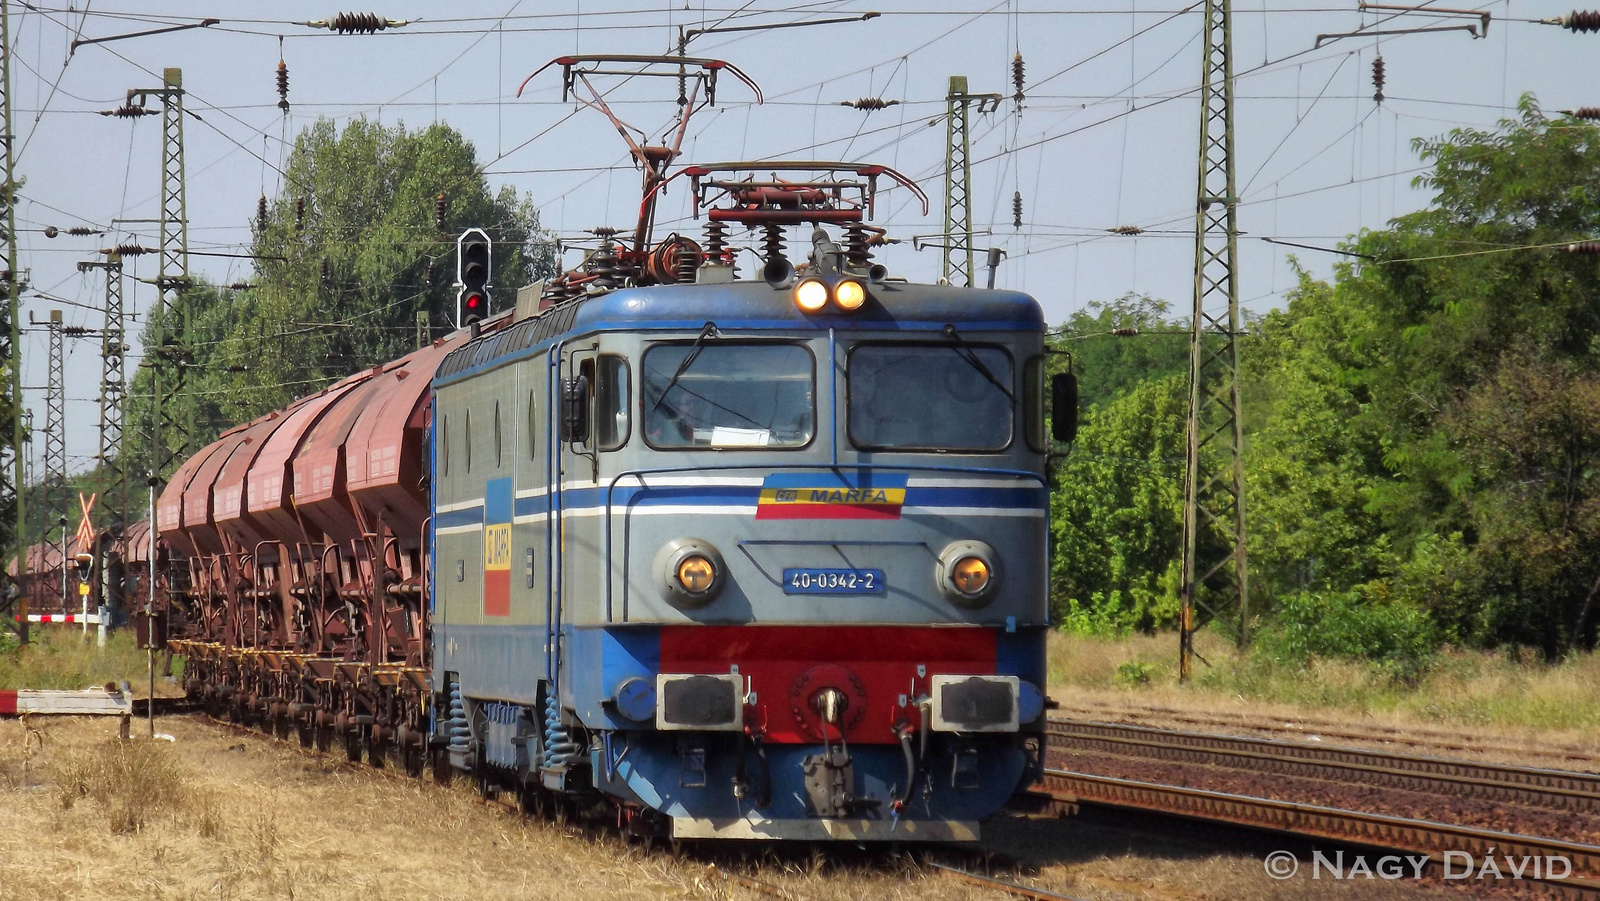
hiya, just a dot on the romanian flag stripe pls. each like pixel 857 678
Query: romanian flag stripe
pixel 807 496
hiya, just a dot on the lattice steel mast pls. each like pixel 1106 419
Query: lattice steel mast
pixel 56 494
pixel 1213 488
pixel 171 431
pixel 113 392
pixel 958 261
pixel 12 459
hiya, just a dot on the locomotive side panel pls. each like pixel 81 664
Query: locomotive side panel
pixel 489 624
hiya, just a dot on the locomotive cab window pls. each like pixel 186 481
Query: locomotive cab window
pixel 610 416
pixel 726 395
pixel 930 397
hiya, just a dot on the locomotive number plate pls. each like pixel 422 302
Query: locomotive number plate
pixel 833 581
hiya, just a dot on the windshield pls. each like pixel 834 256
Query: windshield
pixel 929 397
pixel 730 395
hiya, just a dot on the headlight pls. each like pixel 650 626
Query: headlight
pixel 849 295
pixel 811 295
pixel 968 573
pixel 696 573
pixel 689 572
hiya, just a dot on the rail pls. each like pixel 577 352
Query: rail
pixel 1350 826
pixel 1561 789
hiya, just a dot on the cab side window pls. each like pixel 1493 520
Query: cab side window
pixel 610 398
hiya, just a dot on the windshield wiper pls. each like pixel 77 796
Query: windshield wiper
pixel 710 331
pixel 965 352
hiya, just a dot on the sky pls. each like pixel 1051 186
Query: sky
pixel 1106 135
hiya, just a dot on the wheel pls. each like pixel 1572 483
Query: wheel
pixel 443 772
pixel 411 758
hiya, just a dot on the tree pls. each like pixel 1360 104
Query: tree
pixel 351 253
pixel 1116 513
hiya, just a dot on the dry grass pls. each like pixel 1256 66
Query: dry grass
pixel 60 657
pixel 1475 692
pixel 232 817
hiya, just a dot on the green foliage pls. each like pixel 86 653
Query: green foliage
pixel 1134 674
pixel 1347 624
pixel 1110 365
pixel 1116 514
pixel 1422 435
pixel 339 289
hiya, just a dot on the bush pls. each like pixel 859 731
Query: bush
pixel 1395 634
pixel 1134 674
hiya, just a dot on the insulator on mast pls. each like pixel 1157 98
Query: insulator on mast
pixel 1584 112
pixel 283 86
pixel 1017 70
pixel 1588 20
pixel 1126 331
pixel 1016 209
pixel 1377 79
pixel 439 211
pixel 1126 230
pixel 300 215
pixel 261 215
pixel 356 23
pixel 324 270
pixel 1585 247
pixel 81 230
pixel 869 104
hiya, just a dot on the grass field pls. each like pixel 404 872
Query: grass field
pixel 1459 688
pixel 60 657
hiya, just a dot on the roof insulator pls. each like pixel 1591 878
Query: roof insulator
pixel 356 23
pixel 283 86
pixel 1377 79
pixel 1126 230
pixel 869 104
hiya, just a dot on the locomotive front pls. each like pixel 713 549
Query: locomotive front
pixel 820 606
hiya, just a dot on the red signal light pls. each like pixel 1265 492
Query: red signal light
pixel 474 302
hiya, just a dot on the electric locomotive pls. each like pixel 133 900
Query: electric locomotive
pixel 734 556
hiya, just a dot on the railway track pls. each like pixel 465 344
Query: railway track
pixel 1325 728
pixel 1557 789
pixel 1347 826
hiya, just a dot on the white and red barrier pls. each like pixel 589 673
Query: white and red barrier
pixel 99 620
pixel 92 619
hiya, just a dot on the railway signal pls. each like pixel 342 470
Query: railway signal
pixel 472 277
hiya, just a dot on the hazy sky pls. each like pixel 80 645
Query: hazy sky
pixel 1106 137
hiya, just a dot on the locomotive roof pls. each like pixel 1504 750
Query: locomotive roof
pixel 752 304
